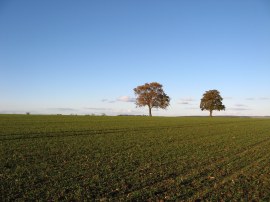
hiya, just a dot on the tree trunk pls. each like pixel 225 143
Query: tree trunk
pixel 150 111
pixel 211 113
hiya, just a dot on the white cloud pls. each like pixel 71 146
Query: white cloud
pixel 126 99
pixel 187 99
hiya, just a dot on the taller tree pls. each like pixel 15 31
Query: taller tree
pixel 152 96
pixel 212 101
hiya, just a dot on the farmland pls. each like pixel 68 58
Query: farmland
pixel 134 158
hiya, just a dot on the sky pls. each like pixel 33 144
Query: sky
pixel 86 57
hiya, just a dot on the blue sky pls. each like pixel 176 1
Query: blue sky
pixel 86 57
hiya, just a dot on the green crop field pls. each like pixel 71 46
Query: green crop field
pixel 79 158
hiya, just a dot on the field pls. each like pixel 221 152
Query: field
pixel 134 158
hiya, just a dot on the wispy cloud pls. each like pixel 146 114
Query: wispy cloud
pixel 183 103
pixel 126 99
pixel 62 109
pixel 186 100
pixel 196 108
pixel 228 98
pixel 108 101
pixel 261 98
pixel 238 109
pixel 98 108
pixel 240 105
pixel 15 111
pixel 128 112
pixel 123 98
pixel 264 98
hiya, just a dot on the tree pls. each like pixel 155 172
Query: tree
pixel 212 101
pixel 151 95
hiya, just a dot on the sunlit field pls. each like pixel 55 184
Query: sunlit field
pixel 134 158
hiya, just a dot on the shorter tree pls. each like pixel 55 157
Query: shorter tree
pixel 151 95
pixel 212 101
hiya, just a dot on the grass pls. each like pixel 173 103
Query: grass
pixel 134 158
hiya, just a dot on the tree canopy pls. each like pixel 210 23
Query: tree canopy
pixel 151 95
pixel 212 101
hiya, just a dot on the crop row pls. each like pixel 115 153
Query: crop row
pixel 134 158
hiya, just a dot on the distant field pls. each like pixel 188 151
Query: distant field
pixel 134 158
